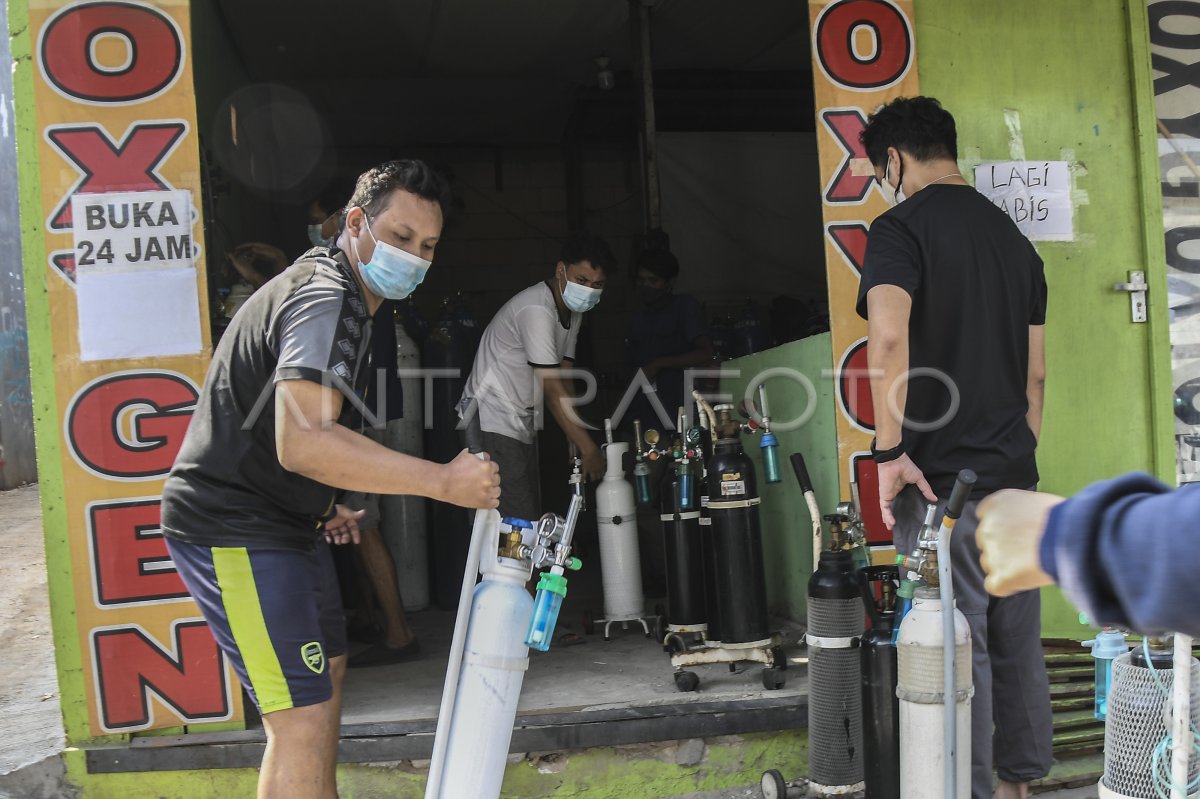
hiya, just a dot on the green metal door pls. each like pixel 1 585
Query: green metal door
pixel 1070 81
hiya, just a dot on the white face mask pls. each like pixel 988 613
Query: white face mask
pixel 580 298
pixel 392 273
pixel 893 194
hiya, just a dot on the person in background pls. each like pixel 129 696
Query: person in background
pixel 1123 550
pixel 324 216
pixel 665 335
pixel 257 262
pixel 251 498
pixel 528 344
pixel 955 302
pixel 394 642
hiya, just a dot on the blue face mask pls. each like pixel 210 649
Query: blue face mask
pixel 392 273
pixel 314 236
pixel 579 298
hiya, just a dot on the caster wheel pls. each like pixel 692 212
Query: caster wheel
pixel 773 785
pixel 589 623
pixel 686 681
pixel 779 658
pixel 773 679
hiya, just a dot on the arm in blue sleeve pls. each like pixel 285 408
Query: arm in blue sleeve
pixel 1127 553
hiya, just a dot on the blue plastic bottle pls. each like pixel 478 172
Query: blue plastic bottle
pixel 1107 645
pixel 770 454
pixel 546 605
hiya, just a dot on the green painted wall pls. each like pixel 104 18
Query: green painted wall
pixel 786 523
pixel 643 771
pixel 1076 73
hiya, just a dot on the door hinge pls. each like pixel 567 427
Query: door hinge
pixel 1137 294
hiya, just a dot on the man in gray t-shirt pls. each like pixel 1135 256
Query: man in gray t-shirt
pixel 250 500
pixel 520 359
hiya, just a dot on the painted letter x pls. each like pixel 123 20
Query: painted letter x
pixel 128 165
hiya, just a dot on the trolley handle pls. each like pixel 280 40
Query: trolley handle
pixel 801 470
pixel 960 494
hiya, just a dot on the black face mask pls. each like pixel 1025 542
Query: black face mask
pixel 648 295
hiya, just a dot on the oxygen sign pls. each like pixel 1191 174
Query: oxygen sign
pixel 118 171
pixel 864 54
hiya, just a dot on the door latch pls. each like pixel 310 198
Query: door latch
pixel 1137 295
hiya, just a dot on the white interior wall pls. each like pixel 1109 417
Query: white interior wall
pixel 744 214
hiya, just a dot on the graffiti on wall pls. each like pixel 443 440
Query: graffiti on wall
pixel 1175 58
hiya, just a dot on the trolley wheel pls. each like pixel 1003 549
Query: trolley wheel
pixel 773 679
pixel 779 658
pixel 773 785
pixel 686 681
pixel 589 623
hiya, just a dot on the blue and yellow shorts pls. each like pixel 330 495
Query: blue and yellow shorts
pixel 276 613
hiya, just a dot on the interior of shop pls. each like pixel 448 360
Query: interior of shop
pixel 532 111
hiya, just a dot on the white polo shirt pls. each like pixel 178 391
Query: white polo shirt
pixel 525 334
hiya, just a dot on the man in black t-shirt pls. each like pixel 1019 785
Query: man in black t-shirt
pixel 955 302
pixel 250 500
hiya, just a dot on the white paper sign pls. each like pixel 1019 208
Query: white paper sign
pixel 131 230
pixel 143 313
pixel 1035 194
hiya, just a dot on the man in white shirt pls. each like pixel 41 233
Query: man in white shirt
pixel 528 343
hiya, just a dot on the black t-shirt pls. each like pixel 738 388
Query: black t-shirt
pixel 670 327
pixel 977 285
pixel 227 487
pixel 385 393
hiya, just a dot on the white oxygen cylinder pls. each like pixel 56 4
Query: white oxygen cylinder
pixel 403 522
pixel 616 516
pixel 494 662
pixel 920 691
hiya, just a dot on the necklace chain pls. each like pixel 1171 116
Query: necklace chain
pixel 943 177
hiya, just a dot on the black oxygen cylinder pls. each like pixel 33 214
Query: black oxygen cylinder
pixel 684 556
pixel 737 558
pixel 881 708
pixel 835 628
pixel 712 606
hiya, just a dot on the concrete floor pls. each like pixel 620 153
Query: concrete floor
pixel 32 725
pixel 627 670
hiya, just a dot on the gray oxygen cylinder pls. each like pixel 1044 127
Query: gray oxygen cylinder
pixel 404 522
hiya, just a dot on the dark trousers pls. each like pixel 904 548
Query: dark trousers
pixel 1011 721
pixel 520 480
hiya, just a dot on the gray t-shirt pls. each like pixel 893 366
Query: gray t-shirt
pixel 525 334
pixel 227 487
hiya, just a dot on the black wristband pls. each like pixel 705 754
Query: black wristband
pixel 886 455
